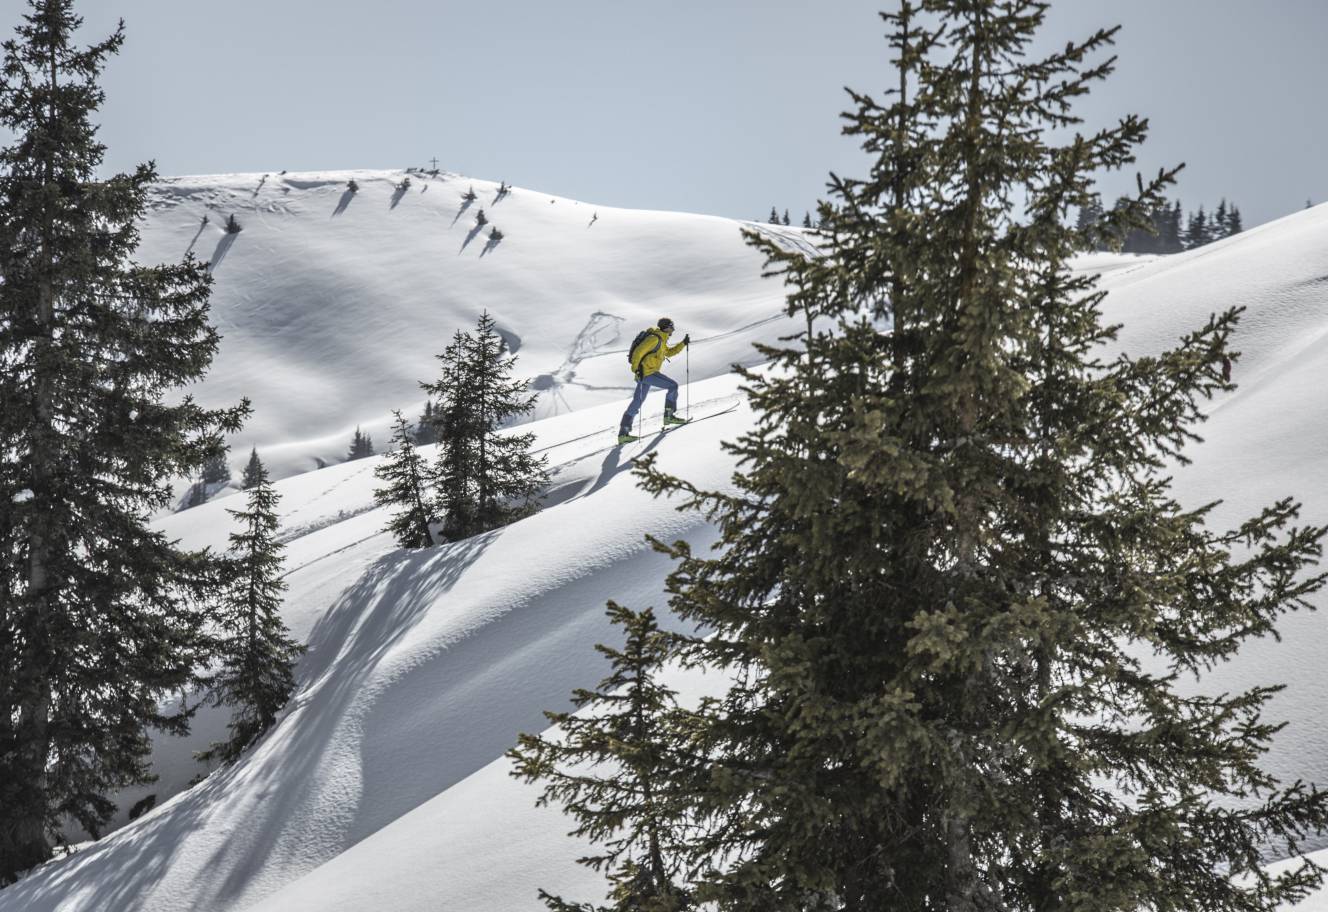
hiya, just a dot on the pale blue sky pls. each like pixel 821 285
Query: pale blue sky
pixel 718 106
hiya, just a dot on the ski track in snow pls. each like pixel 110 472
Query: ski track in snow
pixel 384 785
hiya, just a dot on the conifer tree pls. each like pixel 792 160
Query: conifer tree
pixel 425 433
pixel 102 615
pixel 1198 232
pixel 1234 223
pixel 786 218
pixel 806 219
pixel 485 478
pixel 1172 241
pixel 253 470
pixel 255 651
pixel 774 216
pixel 1220 228
pixel 950 543
pixel 361 446
pixel 215 469
pixel 605 767
pixel 405 476
pixel 454 426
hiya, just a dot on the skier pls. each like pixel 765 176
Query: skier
pixel 649 351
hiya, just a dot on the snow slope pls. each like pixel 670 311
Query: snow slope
pixel 384 786
pixel 333 305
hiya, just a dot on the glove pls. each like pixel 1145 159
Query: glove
pixel 687 339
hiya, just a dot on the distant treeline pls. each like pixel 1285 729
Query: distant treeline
pixel 1173 231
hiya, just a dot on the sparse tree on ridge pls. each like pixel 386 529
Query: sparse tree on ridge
pixel 786 218
pixel 361 446
pixel 101 615
pixel 253 470
pixel 1234 224
pixel 1197 233
pixel 255 651
pixel 352 186
pixel 806 220
pixel 774 216
pixel 469 196
pixel 405 477
pixel 948 544
pixel 604 768
pixel 233 225
pixel 216 470
pixel 425 433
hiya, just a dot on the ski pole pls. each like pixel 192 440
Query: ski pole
pixel 688 384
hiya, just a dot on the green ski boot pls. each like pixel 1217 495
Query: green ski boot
pixel 672 420
pixel 626 438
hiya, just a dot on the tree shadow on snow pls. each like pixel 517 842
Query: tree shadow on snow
pixel 465 204
pixel 397 194
pixel 345 647
pixel 342 203
pixel 124 867
pixel 474 232
pixel 199 234
pixel 223 247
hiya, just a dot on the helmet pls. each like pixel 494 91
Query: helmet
pixel 666 324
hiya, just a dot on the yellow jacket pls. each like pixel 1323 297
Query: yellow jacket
pixel 648 357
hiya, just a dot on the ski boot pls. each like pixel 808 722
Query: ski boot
pixel 626 438
pixel 671 419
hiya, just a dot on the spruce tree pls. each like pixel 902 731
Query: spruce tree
pixel 950 543
pixel 454 426
pixel 1171 233
pixel 1199 231
pixel 254 650
pixel 253 470
pixel 361 446
pixel 1234 223
pixel 485 479
pixel 102 615
pixel 774 216
pixel 507 476
pixel 215 469
pixel 806 219
pixel 606 768
pixel 405 477
pixel 1220 227
pixel 425 434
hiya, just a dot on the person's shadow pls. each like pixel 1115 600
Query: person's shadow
pixel 612 467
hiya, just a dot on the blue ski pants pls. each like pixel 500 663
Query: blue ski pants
pixel 658 381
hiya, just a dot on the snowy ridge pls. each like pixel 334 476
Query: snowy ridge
pixel 333 304
pixel 384 786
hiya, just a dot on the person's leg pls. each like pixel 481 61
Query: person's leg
pixel 638 397
pixel 670 387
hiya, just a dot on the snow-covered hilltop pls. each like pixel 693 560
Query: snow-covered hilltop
pixel 384 786
pixel 333 304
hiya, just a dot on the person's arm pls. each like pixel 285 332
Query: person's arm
pixel 672 350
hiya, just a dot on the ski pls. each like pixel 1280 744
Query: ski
pixel 731 408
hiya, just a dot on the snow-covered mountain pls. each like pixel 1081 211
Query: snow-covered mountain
pixel 333 304
pixel 384 786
